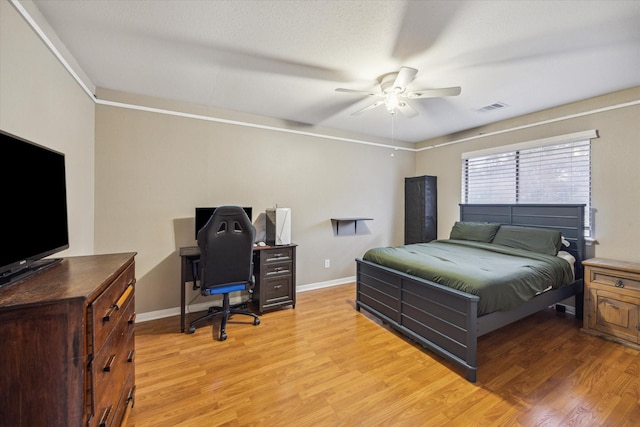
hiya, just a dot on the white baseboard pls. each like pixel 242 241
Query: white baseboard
pixel 327 284
pixel 192 308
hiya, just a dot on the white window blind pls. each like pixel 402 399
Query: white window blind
pixel 553 170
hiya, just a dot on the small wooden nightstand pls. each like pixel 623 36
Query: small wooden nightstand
pixel 612 300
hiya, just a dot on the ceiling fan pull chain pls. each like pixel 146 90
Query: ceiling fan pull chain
pixel 393 136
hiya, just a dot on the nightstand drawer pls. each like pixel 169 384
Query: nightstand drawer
pixel 616 315
pixel 276 254
pixel 280 269
pixel 616 279
pixel 278 290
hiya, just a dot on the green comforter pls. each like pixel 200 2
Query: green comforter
pixel 500 276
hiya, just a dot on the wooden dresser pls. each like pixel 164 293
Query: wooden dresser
pixel 612 300
pixel 274 268
pixel 67 344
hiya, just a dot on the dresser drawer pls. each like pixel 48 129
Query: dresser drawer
pixel 617 279
pixel 106 310
pixel 278 255
pixel 111 367
pixel 115 414
pixel 126 402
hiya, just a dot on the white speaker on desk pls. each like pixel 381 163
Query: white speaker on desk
pixel 278 226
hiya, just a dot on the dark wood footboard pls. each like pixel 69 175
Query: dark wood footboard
pixel 442 319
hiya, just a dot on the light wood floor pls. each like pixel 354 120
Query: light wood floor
pixel 325 364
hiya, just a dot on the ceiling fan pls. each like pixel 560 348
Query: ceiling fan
pixel 394 90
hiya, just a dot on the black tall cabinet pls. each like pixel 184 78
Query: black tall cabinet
pixel 420 209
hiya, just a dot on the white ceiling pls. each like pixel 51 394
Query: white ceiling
pixel 284 59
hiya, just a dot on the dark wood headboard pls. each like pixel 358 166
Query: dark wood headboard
pixel 568 219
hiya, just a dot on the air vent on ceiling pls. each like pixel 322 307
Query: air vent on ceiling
pixel 491 107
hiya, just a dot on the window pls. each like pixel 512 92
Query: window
pixel 553 170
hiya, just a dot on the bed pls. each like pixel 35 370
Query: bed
pixel 448 321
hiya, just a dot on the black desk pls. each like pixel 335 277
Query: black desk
pixel 273 268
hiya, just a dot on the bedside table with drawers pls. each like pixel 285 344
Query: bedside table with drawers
pixel 612 300
pixel 275 275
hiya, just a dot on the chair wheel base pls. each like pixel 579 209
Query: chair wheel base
pixel 223 336
pixel 256 321
pixel 191 330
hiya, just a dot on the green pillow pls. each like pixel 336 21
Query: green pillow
pixel 476 231
pixel 540 240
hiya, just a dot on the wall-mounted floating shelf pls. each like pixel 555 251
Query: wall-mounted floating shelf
pixel 353 220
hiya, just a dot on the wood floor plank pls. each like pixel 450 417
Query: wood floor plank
pixel 326 364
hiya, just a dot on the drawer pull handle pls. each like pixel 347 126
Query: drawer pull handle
pixel 125 295
pixel 619 283
pixel 131 397
pixel 107 367
pixel 105 415
pixel 277 286
pixel 109 313
pixel 118 304
pixel 130 356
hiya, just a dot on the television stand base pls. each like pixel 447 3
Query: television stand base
pixel 32 269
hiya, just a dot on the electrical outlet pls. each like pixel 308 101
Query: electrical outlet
pixel 327 263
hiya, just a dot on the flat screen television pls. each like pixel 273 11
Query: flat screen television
pixel 204 213
pixel 34 207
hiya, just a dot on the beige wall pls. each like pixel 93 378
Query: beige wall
pixel 153 169
pixel 41 102
pixel 614 165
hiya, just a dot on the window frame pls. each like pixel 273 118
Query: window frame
pixel 525 151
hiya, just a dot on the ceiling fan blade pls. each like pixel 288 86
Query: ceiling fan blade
pixel 359 92
pixel 367 108
pixel 405 76
pixel 435 93
pixel 407 110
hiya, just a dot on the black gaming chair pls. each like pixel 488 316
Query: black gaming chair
pixel 226 262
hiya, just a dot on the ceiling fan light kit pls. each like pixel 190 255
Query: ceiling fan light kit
pixel 393 87
pixel 392 101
